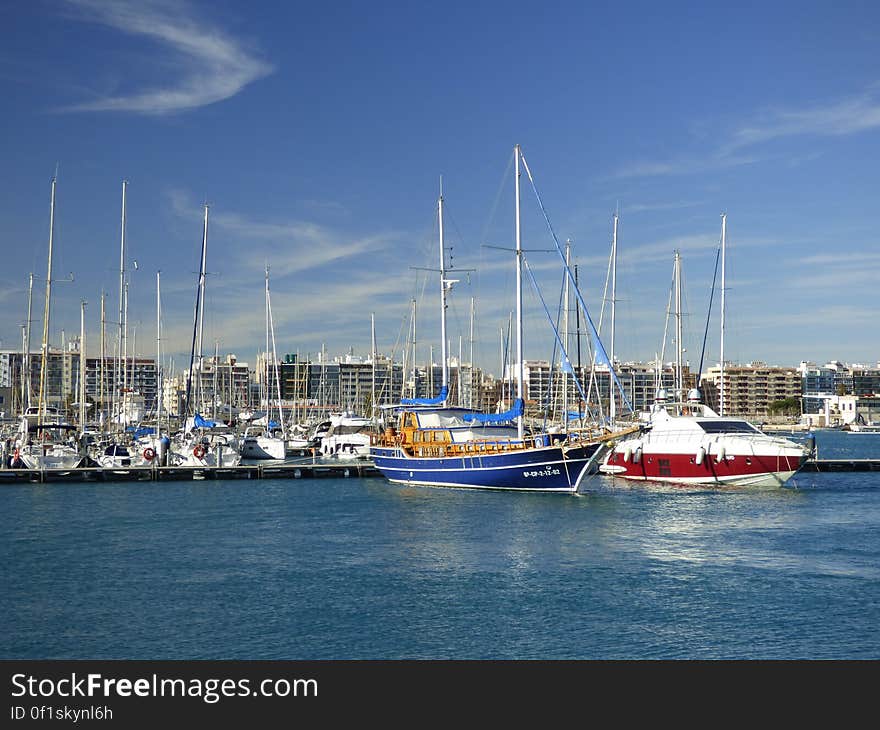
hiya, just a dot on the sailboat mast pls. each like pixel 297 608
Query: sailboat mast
pixel 119 367
pixel 415 364
pixel 520 376
pixel 159 388
pixel 471 360
pixel 275 363
pixel 266 388
pixel 82 366
pixel 721 355
pixel 679 383
pixel 196 337
pixel 214 380
pixel 612 406
pixel 565 336
pixel 443 354
pixel 103 354
pixel 373 369
pixel 26 379
pixel 41 404
pixel 125 344
pixel 202 281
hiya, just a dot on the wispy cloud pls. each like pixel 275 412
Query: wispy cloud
pixel 211 65
pixel 835 118
pixel 846 116
pixel 288 247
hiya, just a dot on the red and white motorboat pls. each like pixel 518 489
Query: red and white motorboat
pixel 689 443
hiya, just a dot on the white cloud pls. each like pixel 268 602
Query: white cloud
pixel 211 65
pixel 852 115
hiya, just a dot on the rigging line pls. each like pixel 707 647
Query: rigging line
pixel 600 348
pixel 665 331
pixel 501 185
pixel 550 402
pixel 566 366
pixel 708 316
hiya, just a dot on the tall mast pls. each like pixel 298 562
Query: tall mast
pixel 202 281
pixel 26 379
pixel 275 363
pixel 266 378
pixel 103 354
pixel 214 380
pixel 41 404
pixel 82 367
pixel 458 387
pixel 373 358
pixel 415 363
pixel 520 375
pixel 471 360
pixel 612 406
pixel 723 251
pixel 159 388
pixel 23 403
pixel 196 319
pixel 443 285
pixel 125 343
pixel 679 382
pixel 565 336
pixel 119 367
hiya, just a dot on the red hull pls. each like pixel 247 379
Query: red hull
pixel 683 467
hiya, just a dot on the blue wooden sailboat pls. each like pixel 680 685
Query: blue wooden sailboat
pixel 436 445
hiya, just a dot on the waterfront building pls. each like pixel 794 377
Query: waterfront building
pixel 750 389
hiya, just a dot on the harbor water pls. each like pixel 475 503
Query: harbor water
pixel 362 569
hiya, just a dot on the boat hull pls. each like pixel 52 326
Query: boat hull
pixel 751 470
pixel 550 469
pixel 263 448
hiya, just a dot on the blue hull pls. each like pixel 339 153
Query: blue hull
pixel 547 469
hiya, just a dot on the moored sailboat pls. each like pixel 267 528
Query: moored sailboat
pixel 453 447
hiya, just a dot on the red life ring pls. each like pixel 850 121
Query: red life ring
pixel 149 454
pixel 199 451
pixel 15 455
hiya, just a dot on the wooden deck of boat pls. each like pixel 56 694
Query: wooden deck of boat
pixel 316 470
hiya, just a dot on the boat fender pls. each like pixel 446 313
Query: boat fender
pixel 721 455
pixel 701 454
pixel 149 454
pixel 627 454
pixel 637 454
pixel 199 451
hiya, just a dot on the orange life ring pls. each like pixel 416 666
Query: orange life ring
pixel 199 451
pixel 149 454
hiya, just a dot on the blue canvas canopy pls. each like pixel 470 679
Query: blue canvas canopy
pixel 426 401
pixel 514 412
pixel 202 423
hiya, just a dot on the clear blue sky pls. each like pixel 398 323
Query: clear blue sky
pixel 318 133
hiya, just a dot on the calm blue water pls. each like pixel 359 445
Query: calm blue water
pixel 353 569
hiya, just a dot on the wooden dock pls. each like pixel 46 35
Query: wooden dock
pixel 842 465
pixel 310 470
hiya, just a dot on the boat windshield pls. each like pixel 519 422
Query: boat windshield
pixel 723 426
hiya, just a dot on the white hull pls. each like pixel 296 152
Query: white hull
pixel 54 458
pixel 263 447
